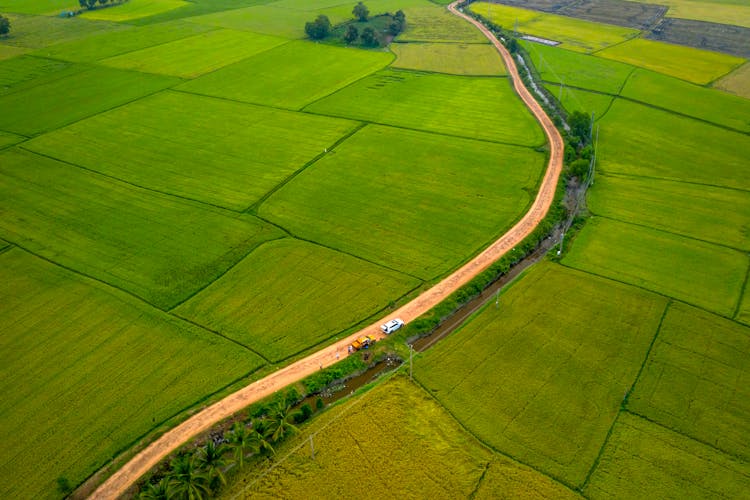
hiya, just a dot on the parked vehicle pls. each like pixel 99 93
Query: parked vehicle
pixel 363 342
pixel 392 326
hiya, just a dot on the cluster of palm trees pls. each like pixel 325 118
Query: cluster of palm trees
pixel 200 473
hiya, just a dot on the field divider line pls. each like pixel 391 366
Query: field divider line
pixel 742 293
pixel 624 402
pixel 147 458
pixel 669 179
pixel 473 494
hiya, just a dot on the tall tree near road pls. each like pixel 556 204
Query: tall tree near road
pixel 361 12
pixel 4 25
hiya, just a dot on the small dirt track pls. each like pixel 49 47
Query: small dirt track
pixel 121 480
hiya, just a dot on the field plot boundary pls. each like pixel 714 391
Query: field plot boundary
pixel 153 453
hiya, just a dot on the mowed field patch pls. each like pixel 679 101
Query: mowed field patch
pixel 402 198
pixel 134 9
pixel 574 69
pixel 196 55
pixel 688 99
pixel 736 82
pixel 221 152
pixel 550 374
pixel 714 214
pixel 290 76
pixel 574 34
pixel 87 370
pixel 694 65
pixel 453 58
pixel 436 24
pixel 57 102
pixel 642 141
pixel 696 380
pixel 109 44
pixel 664 262
pixel 155 246
pixel 645 460
pixel 475 107
pixel 34 32
pixel 289 295
pixel 415 446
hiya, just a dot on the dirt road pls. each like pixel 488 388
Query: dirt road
pixel 121 480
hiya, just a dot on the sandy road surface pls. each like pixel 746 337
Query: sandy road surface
pixel 121 480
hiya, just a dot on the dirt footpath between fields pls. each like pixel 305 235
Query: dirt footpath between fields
pixel 141 463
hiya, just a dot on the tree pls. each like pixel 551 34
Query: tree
pixel 352 33
pixel 189 481
pixel 4 25
pixel 361 12
pixel 158 491
pixel 368 37
pixel 318 29
pixel 580 126
pixel 102 2
pixel 211 460
pixel 90 4
pixel 279 422
pixel 579 168
pixel 63 483
pixel 83 3
pixel 241 443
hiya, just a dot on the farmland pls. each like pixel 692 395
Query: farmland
pixel 134 10
pixel 431 24
pixel 424 229
pixel 534 356
pixel 157 247
pixel 223 153
pixel 453 58
pixel 718 11
pixel 290 76
pixel 329 291
pixel 35 32
pixel 737 82
pixel 474 107
pixel 661 261
pixel 417 447
pixel 80 342
pixel 581 100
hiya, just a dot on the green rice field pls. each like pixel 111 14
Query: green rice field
pixel 134 9
pixel 290 76
pixel 7 139
pixel 327 290
pixel 223 153
pixel 474 107
pixel 417 447
pixel 157 247
pixel 78 343
pixel 452 58
pixel 735 12
pixel 664 262
pixel 433 24
pixel 35 32
pixel 695 380
pixel 574 34
pixel 339 200
pixel 19 72
pixel 36 6
pixel 693 65
pixel 645 460
pixel 713 214
pixel 581 100
pixel 539 353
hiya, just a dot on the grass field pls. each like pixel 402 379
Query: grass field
pixel 574 69
pixel 23 71
pixel 327 290
pixel 693 65
pixel 737 82
pixel 196 55
pixel 134 9
pixel 713 214
pixel 57 102
pixel 574 34
pixel 685 98
pixel 453 58
pixel 87 370
pixel 104 45
pixel 435 24
pixel 291 75
pixel 9 51
pixel 672 147
pixel 475 107
pixel 673 265
pixel 220 152
pixel 154 246
pixel 430 184
pixel 406 443
pixel 644 460
pixel 696 380
pixel 735 12
pixel 35 32
pixel 550 374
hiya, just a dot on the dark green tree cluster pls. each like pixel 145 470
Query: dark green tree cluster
pixel 4 25
pixel 90 4
pixel 201 472
pixel 578 147
pixel 318 29
pixel 361 12
pixel 398 24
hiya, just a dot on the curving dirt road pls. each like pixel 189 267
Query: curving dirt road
pixel 121 480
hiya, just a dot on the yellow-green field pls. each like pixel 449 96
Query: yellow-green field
pixel 574 34
pixel 694 65
pixel 134 9
pixel 436 24
pixel 34 32
pixel 453 58
pixel 737 82
pixel 735 12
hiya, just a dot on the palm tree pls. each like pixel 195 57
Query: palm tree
pixel 241 442
pixel 190 482
pixel 158 491
pixel 279 424
pixel 211 460
pixel 259 437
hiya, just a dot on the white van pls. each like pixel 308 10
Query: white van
pixel 392 326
